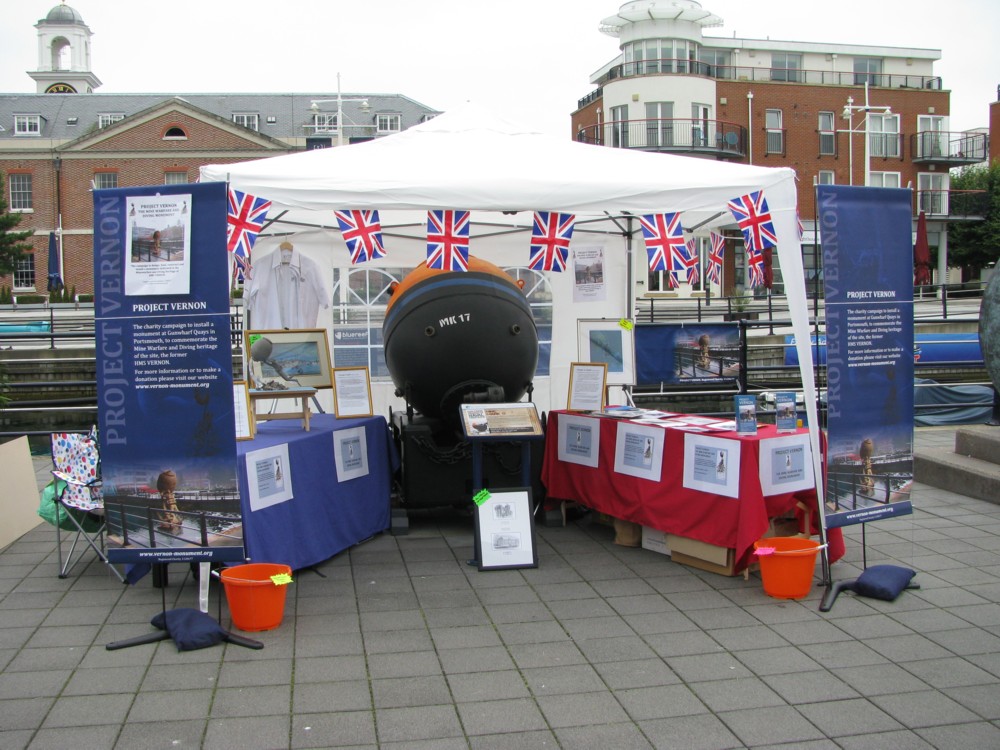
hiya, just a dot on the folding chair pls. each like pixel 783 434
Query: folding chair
pixel 76 461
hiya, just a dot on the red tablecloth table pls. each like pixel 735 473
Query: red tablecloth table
pixel 667 505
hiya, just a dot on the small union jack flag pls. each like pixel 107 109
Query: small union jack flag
pixel 245 220
pixel 802 227
pixel 362 232
pixel 664 239
pixel 550 236
pixel 448 240
pixel 691 263
pixel 754 217
pixel 755 267
pixel 715 257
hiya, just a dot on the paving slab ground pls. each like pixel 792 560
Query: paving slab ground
pixel 398 643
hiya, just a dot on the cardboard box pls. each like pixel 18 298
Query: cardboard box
pixel 655 541
pixel 701 555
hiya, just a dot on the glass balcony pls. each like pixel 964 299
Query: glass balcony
pixel 952 149
pixel 723 140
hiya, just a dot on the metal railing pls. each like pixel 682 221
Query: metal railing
pixel 950 148
pixel 669 134
pixel 952 204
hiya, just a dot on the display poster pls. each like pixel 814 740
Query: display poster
pixel 166 410
pixel 639 450
pixel 587 386
pixel 518 419
pixel 745 409
pixel 505 529
pixel 785 464
pixel 682 354
pixel 712 464
pixel 350 453
pixel 868 280
pixel 579 440
pixel 786 417
pixel 269 476
pixel 158 238
pixel 588 274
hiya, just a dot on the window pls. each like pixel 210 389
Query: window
pixel 538 292
pixel 775 135
pixel 175 177
pixel 884 179
pixel 24 274
pixel 715 63
pixel 106 119
pixel 325 122
pixel 619 126
pixel 932 193
pixel 247 119
pixel 867 70
pixel 105 180
pixel 826 177
pixel 27 124
pixel 175 133
pixel 659 124
pixel 933 139
pixel 20 192
pixel 827 134
pixel 883 134
pixel 388 123
pixel 786 67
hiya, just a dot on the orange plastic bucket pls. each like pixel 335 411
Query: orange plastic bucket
pixel 255 601
pixel 787 572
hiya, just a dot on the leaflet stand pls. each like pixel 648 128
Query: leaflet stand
pixel 493 423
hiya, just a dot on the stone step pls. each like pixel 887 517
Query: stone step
pixel 947 470
pixel 982 442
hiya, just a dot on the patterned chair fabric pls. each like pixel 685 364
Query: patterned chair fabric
pixel 76 460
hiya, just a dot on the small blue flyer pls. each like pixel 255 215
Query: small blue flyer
pixel 746 414
pixel 786 419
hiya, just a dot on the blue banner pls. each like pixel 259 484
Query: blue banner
pixel 868 280
pixel 166 412
pixel 675 354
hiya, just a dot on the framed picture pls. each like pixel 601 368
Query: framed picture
pixel 610 342
pixel 587 386
pixel 352 392
pixel 246 425
pixel 288 358
pixel 505 530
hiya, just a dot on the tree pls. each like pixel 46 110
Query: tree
pixel 974 245
pixel 12 244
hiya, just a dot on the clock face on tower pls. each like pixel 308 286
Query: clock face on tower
pixel 60 88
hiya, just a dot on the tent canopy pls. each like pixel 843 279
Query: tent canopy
pixel 469 159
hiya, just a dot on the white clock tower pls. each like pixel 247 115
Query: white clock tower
pixel 64 54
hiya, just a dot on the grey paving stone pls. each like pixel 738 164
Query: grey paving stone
pixel 247 733
pixel 160 734
pixel 398 692
pixel 327 697
pixel 573 678
pixel 683 643
pixel 578 709
pixel 923 709
pixel 476 636
pixel 849 717
pixel 809 687
pixel 16 685
pixel 514 741
pixel 980 699
pixel 701 732
pixel 330 669
pixel 624 648
pixel 583 629
pixel 252 700
pixel 89 710
pixel 24 713
pixel 58 738
pixel 902 739
pixel 625 736
pixel 154 706
pixel 423 723
pixel 736 694
pixel 494 685
pixel 660 702
pixel 636 673
pixel 773 725
pixel 720 666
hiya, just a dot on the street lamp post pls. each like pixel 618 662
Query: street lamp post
pixel 314 106
pixel 849 109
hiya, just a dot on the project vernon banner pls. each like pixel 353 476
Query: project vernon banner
pixel 164 374
pixel 868 280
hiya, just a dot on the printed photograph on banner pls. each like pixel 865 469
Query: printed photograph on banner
pixel 712 464
pixel 676 354
pixel 588 274
pixel 158 245
pixel 579 440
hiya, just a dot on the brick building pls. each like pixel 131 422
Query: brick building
pixel 784 104
pixel 58 143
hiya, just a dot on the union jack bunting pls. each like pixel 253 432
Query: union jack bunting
pixel 362 232
pixel 448 240
pixel 664 239
pixel 550 236
pixel 802 227
pixel 715 257
pixel 754 217
pixel 245 220
pixel 691 262
pixel 755 267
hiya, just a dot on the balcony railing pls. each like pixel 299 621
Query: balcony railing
pixel 954 205
pixel 949 148
pixel 710 137
pixel 774 75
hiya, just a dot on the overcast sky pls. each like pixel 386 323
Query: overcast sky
pixel 528 59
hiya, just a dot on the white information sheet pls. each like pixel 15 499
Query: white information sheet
pixel 158 245
pixel 639 451
pixel 579 440
pixel 786 464
pixel 712 464
pixel 269 476
pixel 350 451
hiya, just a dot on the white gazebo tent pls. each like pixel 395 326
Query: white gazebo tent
pixel 469 159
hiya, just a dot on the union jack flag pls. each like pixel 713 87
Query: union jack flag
pixel 755 267
pixel 246 218
pixel 754 217
pixel 362 232
pixel 691 262
pixel 448 240
pixel 550 236
pixel 664 239
pixel 715 257
pixel 802 227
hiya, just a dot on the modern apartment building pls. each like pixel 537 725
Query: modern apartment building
pixel 63 140
pixel 837 113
